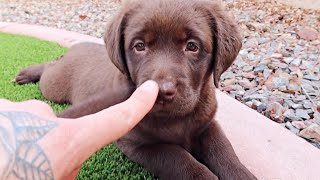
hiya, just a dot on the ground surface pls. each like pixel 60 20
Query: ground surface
pixel 18 52
pixel 276 73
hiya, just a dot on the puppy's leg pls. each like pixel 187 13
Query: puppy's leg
pixel 166 161
pixel 217 154
pixel 31 74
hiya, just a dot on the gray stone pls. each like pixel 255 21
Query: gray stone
pixel 308 64
pixel 256 103
pixel 266 73
pixel 251 43
pixel 293 87
pixel 260 68
pixel 275 45
pixel 313 57
pixel 317 145
pixel 297 106
pixel 292 128
pixel 263 40
pixel 289 102
pixel 240 64
pixel 298 49
pixel 302 113
pixel 299 98
pixel 241 92
pixel 237 87
pixel 288 60
pixel 282 88
pixel 308 87
pixel 309 111
pixel 262 107
pixel 311 77
pixel 227 75
pixel 281 65
pixel 247 68
pixel 280 81
pixel 232 95
pixel 316 118
pixel 244 52
pixel 84 24
pixel 296 62
pixel 307 104
pixel 252 57
pixel 254 97
pixel 291 115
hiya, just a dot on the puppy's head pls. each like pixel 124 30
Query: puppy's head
pixel 178 43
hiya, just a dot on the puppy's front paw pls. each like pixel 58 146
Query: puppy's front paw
pixel 200 174
pixel 243 173
pixel 31 74
pixel 209 176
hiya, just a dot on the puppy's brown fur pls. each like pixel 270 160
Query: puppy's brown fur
pixel 182 45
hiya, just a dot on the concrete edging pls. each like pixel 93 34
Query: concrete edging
pixel 267 149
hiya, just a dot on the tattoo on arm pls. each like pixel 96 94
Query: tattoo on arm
pixel 21 156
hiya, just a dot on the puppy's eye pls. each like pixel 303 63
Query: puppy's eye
pixel 192 46
pixel 140 46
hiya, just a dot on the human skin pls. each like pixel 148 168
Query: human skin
pixel 35 144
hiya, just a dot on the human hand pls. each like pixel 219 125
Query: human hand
pixel 63 144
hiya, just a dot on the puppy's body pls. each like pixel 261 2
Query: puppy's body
pixel 84 77
pixel 183 46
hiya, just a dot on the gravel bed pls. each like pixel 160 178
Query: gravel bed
pixel 276 73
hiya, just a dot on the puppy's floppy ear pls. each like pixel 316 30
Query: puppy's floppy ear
pixel 226 39
pixel 114 40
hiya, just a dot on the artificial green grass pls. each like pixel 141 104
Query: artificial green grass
pixel 17 52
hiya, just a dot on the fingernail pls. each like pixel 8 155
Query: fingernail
pixel 149 86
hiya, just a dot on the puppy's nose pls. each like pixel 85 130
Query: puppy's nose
pixel 167 91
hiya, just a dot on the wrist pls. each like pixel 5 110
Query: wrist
pixel 62 148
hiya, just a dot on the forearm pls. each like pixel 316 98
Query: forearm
pixel 33 147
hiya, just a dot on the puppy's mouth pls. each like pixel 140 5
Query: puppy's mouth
pixel 162 102
pixel 169 108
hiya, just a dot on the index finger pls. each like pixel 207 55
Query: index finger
pixel 110 124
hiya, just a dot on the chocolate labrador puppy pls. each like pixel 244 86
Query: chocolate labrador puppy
pixel 183 45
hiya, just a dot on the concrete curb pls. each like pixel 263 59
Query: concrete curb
pixel 62 37
pixel 267 149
